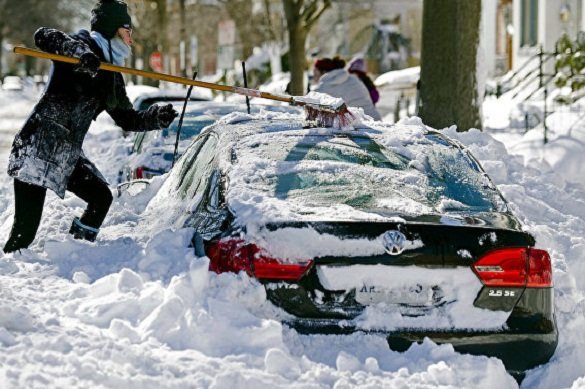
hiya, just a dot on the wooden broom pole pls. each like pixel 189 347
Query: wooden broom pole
pixel 159 76
pixel 325 114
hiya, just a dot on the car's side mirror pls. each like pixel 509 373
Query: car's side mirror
pixel 132 188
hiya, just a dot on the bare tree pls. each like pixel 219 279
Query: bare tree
pixel 162 24
pixel 151 22
pixel 301 16
pixel 450 39
pixel 20 18
pixel 250 27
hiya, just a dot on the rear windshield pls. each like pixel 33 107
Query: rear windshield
pixel 425 175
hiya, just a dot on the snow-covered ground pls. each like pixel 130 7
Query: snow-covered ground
pixel 138 309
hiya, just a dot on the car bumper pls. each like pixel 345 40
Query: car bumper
pixel 518 351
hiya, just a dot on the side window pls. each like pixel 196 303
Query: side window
pixel 144 138
pixel 138 139
pixel 529 20
pixel 197 168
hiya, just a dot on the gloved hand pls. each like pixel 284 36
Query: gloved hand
pixel 165 115
pixel 89 63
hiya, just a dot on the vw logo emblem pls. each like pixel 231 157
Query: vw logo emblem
pixel 394 242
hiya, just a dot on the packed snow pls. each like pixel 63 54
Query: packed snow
pixel 137 308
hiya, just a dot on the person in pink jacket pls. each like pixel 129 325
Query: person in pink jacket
pixel 357 67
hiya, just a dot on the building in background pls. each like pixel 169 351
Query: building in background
pixel 514 30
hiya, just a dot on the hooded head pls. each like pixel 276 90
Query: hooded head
pixel 357 64
pixel 108 16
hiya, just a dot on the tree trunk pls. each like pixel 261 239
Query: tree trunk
pixel 296 56
pixel 450 39
pixel 1 52
pixel 162 22
pixel 300 15
pixel 183 38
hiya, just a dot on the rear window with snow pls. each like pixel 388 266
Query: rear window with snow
pixel 369 174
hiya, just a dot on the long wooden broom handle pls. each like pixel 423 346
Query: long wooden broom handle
pixel 161 76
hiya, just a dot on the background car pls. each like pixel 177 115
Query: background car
pixel 152 152
pixel 395 230
pixel 143 96
pixel 12 83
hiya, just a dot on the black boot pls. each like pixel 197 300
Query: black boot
pixel 81 231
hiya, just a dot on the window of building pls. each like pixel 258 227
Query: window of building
pixel 529 15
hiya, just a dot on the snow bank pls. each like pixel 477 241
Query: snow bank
pixel 556 216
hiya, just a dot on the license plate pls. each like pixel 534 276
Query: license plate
pixel 414 296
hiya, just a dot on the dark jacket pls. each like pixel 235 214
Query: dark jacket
pixel 49 145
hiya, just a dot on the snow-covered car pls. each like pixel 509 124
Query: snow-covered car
pixel 12 83
pixel 143 97
pixel 152 152
pixel 395 230
pixel 397 92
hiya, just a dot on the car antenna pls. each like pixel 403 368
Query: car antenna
pixel 246 85
pixel 189 90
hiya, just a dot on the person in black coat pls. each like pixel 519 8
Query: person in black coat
pixel 47 152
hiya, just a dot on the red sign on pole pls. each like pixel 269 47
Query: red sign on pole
pixel 155 61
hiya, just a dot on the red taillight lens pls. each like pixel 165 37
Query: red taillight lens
pixel 539 269
pixel 230 255
pixel 235 255
pixel 139 172
pixel 515 267
pixel 266 268
pixel 504 267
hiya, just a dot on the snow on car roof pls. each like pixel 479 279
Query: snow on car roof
pixel 267 185
pixel 318 174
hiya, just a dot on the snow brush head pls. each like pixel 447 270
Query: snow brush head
pixel 325 111
pixel 324 116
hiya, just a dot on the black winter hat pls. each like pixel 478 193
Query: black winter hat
pixel 109 15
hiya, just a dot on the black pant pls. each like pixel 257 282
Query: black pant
pixel 29 200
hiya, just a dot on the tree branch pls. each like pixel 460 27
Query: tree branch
pixel 310 22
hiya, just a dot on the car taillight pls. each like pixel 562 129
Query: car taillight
pixel 515 267
pixel 539 269
pixel 235 255
pixel 266 268
pixel 139 172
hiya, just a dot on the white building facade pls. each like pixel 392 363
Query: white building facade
pixel 514 30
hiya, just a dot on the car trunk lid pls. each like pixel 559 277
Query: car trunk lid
pixel 393 275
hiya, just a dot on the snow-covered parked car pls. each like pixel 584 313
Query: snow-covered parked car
pixel 395 230
pixel 12 83
pixel 152 152
pixel 398 92
pixel 143 96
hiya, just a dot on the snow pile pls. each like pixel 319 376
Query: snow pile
pixel 556 217
pixel 562 157
pixel 283 243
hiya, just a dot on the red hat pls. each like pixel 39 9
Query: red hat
pixel 325 65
